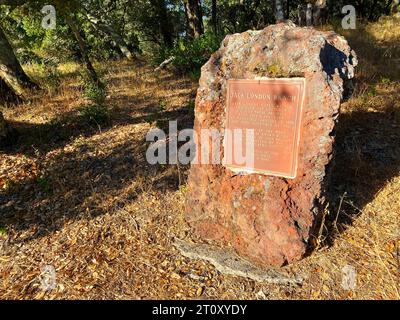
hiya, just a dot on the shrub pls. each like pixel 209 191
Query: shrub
pixel 95 111
pixel 95 114
pixel 190 55
pixel 94 91
pixel 52 77
pixel 3 231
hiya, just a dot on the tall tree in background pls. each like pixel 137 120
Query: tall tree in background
pixel 241 15
pixel 319 12
pixel 194 16
pixel 164 23
pixel 108 29
pixel 287 14
pixel 214 21
pixel 11 71
pixel 279 14
pixel 72 22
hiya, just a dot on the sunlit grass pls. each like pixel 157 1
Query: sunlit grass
pixel 142 218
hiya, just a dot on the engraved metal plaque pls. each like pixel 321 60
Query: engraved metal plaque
pixel 273 109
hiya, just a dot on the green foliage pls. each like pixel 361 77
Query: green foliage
pixel 190 55
pixel 147 25
pixel 95 111
pixel 35 44
pixel 93 91
pixel 155 28
pixel 95 114
pixel 162 105
pixel 3 231
pixel 371 91
pixel 52 77
pixel 58 44
pixel 239 16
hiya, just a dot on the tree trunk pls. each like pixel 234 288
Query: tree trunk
pixel 301 15
pixel 388 7
pixel 287 9
pixel 72 23
pixel 115 36
pixel 372 10
pixel 11 71
pixel 194 17
pixel 165 26
pixel 309 15
pixel 7 95
pixel 8 135
pixel 214 21
pixel 279 15
pixel 4 129
pixel 359 5
pixel 319 12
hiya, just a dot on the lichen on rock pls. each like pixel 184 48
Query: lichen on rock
pixel 272 224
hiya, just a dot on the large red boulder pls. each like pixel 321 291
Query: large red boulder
pixel 270 220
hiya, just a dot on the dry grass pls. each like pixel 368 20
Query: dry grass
pixel 86 202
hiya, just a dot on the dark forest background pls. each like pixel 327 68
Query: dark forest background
pixel 188 30
pixel 76 190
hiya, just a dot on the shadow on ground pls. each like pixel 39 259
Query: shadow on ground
pixel 366 156
pixel 82 183
pixel 85 182
pixel 99 173
pixel 366 153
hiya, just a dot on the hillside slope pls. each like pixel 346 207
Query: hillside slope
pixel 81 198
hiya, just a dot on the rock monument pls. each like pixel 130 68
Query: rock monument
pixel 286 83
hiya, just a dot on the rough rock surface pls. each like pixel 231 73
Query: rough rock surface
pixel 227 262
pixel 270 220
